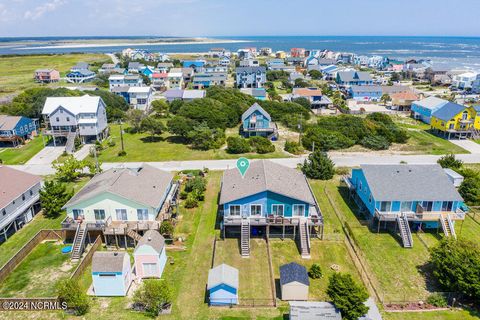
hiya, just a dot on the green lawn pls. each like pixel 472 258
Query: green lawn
pixel 23 153
pixel 436 315
pixel 38 273
pixel 139 148
pixel 16 73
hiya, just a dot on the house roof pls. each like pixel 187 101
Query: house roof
pixel 153 239
pixel 164 65
pixel 349 76
pixel 13 183
pixel 250 69
pixel 134 65
pixel 293 272
pixel 431 103
pixel 313 310
pixel 120 89
pixel 255 92
pixel 160 75
pixel 8 122
pixel 252 109
pixel 173 93
pixel 307 92
pixel 83 72
pixel 108 261
pixel 76 105
pixel 223 274
pixel 406 182
pixel 366 89
pixel 44 70
pixel 81 65
pixel 139 89
pixel 193 94
pixel 407 95
pixel 395 89
pixel 145 185
pixel 265 175
pixel 448 111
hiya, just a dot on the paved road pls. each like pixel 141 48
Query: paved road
pixel 113 57
pixel 45 156
pixel 468 145
pixel 341 160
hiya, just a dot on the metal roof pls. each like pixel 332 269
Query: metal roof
pixel 252 109
pixel 223 274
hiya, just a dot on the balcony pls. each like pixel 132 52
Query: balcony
pixel 272 220
pixel 419 216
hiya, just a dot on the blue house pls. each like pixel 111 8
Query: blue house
pixel 352 78
pixel 111 273
pixel 223 285
pixel 418 196
pixel 147 71
pixel 423 109
pixel 16 129
pixel 80 76
pixel 269 199
pixel 257 122
pixel 366 93
pixel 196 65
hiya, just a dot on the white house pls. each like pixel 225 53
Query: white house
pixel 175 78
pixel 140 97
pixel 121 80
pixel 465 80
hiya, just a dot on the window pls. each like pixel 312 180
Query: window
pixel 68 119
pixel 142 214
pixel 427 205
pixel 447 205
pixel 4 212
pixel 150 269
pixel 277 209
pixel 77 213
pixel 121 214
pixel 370 198
pixel 31 193
pixel 256 209
pixel 23 197
pixel 360 186
pixel 465 115
pixel 385 206
pixel 99 214
pixel 406 206
pixel 61 111
pixel 235 210
pixel 298 210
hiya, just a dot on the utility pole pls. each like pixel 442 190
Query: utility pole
pixel 121 136
pixel 300 130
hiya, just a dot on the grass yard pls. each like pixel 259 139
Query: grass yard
pixel 435 315
pixel 38 273
pixel 23 153
pixel 139 148
pixel 16 73
pixel 254 277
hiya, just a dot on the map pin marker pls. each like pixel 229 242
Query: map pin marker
pixel 242 165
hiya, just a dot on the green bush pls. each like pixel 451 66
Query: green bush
pixel 153 294
pixel 196 184
pixel 166 228
pixel 318 166
pixel 437 300
pixel 111 143
pixel 315 271
pixel 325 140
pixel 449 161
pixel 183 195
pixel 261 145
pixel 293 147
pixel 237 145
pixel 348 296
pixel 191 201
pixel 375 143
pixel 470 190
pixel 70 292
pixel 122 153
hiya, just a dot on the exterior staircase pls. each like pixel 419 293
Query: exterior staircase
pixel 70 145
pixel 304 239
pixel 245 238
pixel 134 235
pixel 405 232
pixel 447 226
pixel 79 241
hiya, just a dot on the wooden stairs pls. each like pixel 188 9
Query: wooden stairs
pixel 245 238
pixel 405 232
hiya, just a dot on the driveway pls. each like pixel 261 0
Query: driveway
pixel 46 156
pixel 83 152
pixel 469 145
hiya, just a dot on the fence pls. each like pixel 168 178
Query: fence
pixel 270 270
pixel 243 303
pixel 87 259
pixel 27 248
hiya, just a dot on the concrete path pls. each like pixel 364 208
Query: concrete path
pixel 467 144
pixel 373 312
pixel 83 152
pixel 46 156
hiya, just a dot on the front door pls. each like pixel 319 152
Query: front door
pixel 150 270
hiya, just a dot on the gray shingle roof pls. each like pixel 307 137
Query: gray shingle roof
pixel 265 175
pixel 410 183
pixel 145 185
pixel 366 89
pixel 250 69
pixel 223 274
pixel 108 261
pixel 349 76
pixel 448 111
pixel 313 310
pixel 153 239
pixel 293 272
pixel 253 108
pixel 8 122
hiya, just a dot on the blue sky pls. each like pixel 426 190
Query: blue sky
pixel 236 18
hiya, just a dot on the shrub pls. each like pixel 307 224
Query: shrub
pixel 318 166
pixel 196 184
pixel 111 143
pixel 166 228
pixel 437 300
pixel 191 201
pixel 53 197
pixel 325 140
pixel 375 143
pixel 154 294
pixel 341 171
pixel 449 161
pixel 237 145
pixel 293 147
pixel 347 295
pixel 122 153
pixel 315 271
pixel 261 145
pixel 70 292
pixel 470 190
pixel 183 195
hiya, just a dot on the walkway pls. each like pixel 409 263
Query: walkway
pixel 83 152
pixel 46 156
pixel 467 144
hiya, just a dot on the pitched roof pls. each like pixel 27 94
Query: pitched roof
pixel 108 261
pixel 223 274
pixel 307 92
pixel 76 105
pixel 8 122
pixel 265 175
pixel 366 89
pixel 143 89
pixel 250 69
pixel 395 89
pixel 404 182
pixel 13 183
pixel 313 310
pixel 293 272
pixel 173 93
pixel 145 185
pixel 431 103
pixel 193 94
pixel 407 95
pixel 252 109
pixel 153 239
pixel 448 111
pixel 349 76
pixel 164 65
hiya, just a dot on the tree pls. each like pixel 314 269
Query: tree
pixel 261 145
pixel 300 83
pixel 303 102
pixel 166 228
pixel 315 271
pixel 385 98
pixel 53 197
pixel 375 142
pixel 347 295
pixel 395 77
pixel 160 108
pixel 153 126
pixel 180 126
pixel 146 79
pixel 154 294
pixel 325 139
pixel 237 145
pixel 70 292
pixel 456 266
pixel 449 161
pixel 70 169
pixel 293 147
pixel 204 138
pixel 318 166
pixel 470 190
pixel 135 118
pixel 315 74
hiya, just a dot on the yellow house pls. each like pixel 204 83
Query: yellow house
pixel 456 121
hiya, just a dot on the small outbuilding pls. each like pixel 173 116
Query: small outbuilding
pixel 223 285
pixel 150 256
pixel 294 282
pixel 313 310
pixel 111 273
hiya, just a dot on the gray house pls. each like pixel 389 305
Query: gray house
pixel 250 77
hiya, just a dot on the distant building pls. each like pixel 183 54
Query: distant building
pixel 108 68
pixel 313 95
pixel 111 273
pixel 249 63
pixel 196 65
pixel 366 93
pixel 465 81
pixel 297 52
pixel 80 76
pixel 140 97
pixel 454 120
pixel 160 80
pixel 16 129
pixel 186 95
pixel 206 80
pixel 402 101
pixel 351 78
pixel 257 93
pixel 423 109
pixel 80 66
pixel 175 79
pixel 121 80
pixel 46 75
pixel 164 67
pixel 250 77
pixel 265 51
pixel 135 67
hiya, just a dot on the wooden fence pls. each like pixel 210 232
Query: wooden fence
pixel 14 261
pixel 270 270
pixel 87 259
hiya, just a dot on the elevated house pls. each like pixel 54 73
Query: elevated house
pixel 368 93
pixel 164 67
pixel 46 75
pixel 223 285
pixel 19 200
pixel 352 78
pixel 423 109
pixel 140 97
pixel 80 76
pixel 294 282
pixel 69 117
pixel 187 74
pixel 196 65
pixel 109 68
pixel 257 122
pixel 122 80
pixel 206 80
pixel 407 196
pixel 160 80
pixel 150 255
pixel 147 71
pixel 402 101
pixel 120 204
pixel 181 94
pixel 313 95
pixel 257 93
pixel 135 67
pixel 454 120
pixel 464 81
pixel 16 129
pixel 111 273
pixel 270 199
pixel 250 77
pixel 175 78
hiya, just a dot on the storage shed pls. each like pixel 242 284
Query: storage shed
pixel 150 256
pixel 223 285
pixel 111 273
pixel 294 282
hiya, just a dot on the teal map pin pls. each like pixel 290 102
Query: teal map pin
pixel 242 165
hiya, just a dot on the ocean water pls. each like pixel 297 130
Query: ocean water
pixel 451 52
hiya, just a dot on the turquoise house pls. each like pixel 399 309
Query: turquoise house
pixel 366 93
pixel 16 129
pixel 423 109
pixel 147 71
pixel 111 273
pixel 222 285
pixel 257 122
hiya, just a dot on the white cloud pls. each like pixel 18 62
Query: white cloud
pixel 39 11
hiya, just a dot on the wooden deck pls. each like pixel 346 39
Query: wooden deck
pixel 122 227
